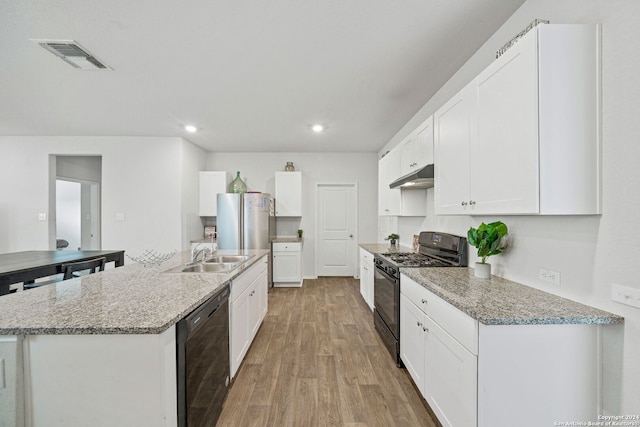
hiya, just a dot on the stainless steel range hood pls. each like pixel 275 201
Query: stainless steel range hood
pixel 422 178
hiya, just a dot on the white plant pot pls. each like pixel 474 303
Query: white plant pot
pixel 483 271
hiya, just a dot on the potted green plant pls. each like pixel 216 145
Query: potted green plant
pixel 392 238
pixel 488 239
pixel 300 234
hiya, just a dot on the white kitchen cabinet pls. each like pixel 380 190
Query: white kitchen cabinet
pixel 389 200
pixel 287 264
pixel 416 151
pixel 247 308
pixel 288 195
pixel 211 183
pixel 366 277
pixel 473 374
pixel 533 123
pixel 454 129
pixel 438 360
pixel 393 201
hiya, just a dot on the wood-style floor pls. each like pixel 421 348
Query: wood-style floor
pixel 318 361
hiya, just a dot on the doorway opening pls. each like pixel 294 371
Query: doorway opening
pixel 75 200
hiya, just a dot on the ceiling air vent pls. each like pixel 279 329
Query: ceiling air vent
pixel 73 53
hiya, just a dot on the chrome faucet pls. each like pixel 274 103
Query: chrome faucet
pixel 195 252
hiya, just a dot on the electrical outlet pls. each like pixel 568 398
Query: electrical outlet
pixel 550 276
pixel 120 217
pixel 625 295
pixel 42 217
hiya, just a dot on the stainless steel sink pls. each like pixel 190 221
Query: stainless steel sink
pixel 228 258
pixel 215 264
pixel 210 267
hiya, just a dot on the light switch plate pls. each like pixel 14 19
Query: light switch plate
pixel 625 295
pixel 42 217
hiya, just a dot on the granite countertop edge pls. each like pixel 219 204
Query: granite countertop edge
pixel 459 287
pixel 125 300
pixel 505 302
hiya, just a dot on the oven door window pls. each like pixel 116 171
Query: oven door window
pixel 386 295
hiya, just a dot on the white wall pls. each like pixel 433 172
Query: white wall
pixel 142 177
pixel 590 252
pixel 193 160
pixel 257 170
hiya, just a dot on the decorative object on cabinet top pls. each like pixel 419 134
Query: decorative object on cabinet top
pixel 237 185
pixel 289 167
pixel 518 36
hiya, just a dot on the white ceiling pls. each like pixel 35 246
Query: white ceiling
pixel 252 75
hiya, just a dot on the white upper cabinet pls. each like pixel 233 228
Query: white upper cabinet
pixel 454 126
pixel 389 200
pixel 531 124
pixel 393 201
pixel 416 151
pixel 288 194
pixel 211 183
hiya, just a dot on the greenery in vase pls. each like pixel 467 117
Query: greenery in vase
pixel 488 239
pixel 393 237
pixel 299 233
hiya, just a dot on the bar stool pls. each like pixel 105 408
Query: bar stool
pixel 93 265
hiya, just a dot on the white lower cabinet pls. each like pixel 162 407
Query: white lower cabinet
pixel 287 264
pixel 247 308
pixel 366 277
pixel 444 370
pixel 472 374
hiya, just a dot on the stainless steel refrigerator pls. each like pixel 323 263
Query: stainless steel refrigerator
pixel 245 221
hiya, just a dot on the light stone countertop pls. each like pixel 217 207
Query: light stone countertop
pixel 287 239
pixel 126 300
pixel 498 301
pixel 382 248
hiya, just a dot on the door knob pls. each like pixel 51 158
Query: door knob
pixel 351 235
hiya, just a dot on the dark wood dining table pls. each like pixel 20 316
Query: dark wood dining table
pixel 26 266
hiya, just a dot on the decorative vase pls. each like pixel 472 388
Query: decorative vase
pixel 289 167
pixel 237 185
pixel 483 271
pixel 393 242
pixel 300 234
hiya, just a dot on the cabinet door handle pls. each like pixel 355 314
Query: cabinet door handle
pixel 464 203
pixel 425 329
pixel 419 324
pixel 472 202
pixel 424 301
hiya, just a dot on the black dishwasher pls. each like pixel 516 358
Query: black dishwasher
pixel 203 362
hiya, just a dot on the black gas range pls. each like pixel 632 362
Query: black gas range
pixel 435 250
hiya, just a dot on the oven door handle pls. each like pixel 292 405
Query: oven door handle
pixel 386 276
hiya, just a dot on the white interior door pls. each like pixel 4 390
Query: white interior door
pixel 337 223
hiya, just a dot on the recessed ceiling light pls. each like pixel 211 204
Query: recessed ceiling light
pixel 317 128
pixel 190 128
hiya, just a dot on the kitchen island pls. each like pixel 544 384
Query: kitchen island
pixel 100 350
